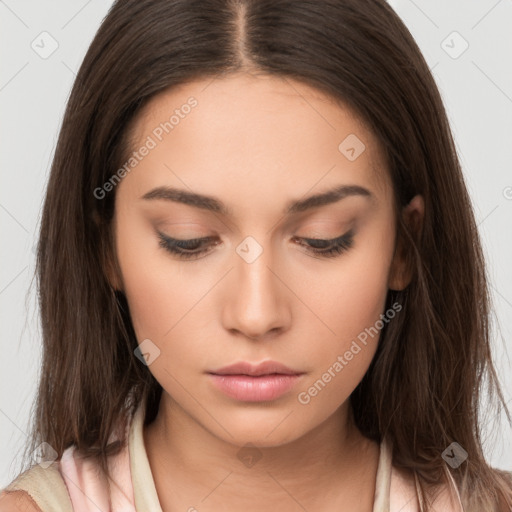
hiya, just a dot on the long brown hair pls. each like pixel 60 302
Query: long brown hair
pixel 423 388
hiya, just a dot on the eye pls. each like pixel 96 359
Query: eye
pixel 194 247
pixel 329 248
pixel 185 249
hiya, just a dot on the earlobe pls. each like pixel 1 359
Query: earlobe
pixel 107 257
pixel 113 278
pixel 401 270
pixel 109 260
pixel 111 270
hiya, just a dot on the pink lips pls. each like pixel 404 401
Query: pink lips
pixel 255 383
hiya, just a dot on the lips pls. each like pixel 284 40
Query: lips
pixel 255 383
pixel 265 368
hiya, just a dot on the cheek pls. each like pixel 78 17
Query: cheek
pixel 156 297
pixel 349 300
pixel 349 294
pixel 164 301
pixel 142 287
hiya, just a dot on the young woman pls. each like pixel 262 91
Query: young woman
pixel 261 282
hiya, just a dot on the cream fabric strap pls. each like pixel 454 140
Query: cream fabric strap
pixel 146 497
pixel 45 486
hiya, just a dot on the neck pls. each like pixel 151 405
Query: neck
pixel 331 464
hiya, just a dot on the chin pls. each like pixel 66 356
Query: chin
pixel 264 430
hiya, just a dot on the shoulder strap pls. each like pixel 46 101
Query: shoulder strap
pixel 383 479
pixel 45 486
pixel 88 486
pixel 403 495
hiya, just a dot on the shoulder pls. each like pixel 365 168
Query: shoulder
pixel 17 501
pixel 39 489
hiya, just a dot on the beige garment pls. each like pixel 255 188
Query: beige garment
pixel 74 485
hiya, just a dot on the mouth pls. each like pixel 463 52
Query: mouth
pixel 255 383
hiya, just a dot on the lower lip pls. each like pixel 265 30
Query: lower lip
pixel 255 389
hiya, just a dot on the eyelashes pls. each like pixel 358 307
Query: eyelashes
pixel 328 248
pixel 195 247
pixel 185 249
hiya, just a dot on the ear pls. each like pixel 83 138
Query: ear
pixel 108 258
pixel 401 270
pixel 109 262
pixel 112 273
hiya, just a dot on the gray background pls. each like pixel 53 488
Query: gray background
pixel 476 85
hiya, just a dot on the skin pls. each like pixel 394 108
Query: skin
pixel 256 143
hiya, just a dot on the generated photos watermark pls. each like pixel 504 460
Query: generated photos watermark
pixel 151 142
pixel 304 397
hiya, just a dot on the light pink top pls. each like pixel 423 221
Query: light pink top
pixel 133 488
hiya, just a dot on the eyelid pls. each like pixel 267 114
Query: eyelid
pixel 346 235
pixel 178 241
pixel 204 239
pixel 333 247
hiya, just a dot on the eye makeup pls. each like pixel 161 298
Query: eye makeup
pixel 195 247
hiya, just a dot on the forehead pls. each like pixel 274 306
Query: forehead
pixel 245 127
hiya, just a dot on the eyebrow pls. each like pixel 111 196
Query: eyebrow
pixel 213 204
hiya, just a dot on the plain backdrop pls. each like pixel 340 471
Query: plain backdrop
pixel 467 44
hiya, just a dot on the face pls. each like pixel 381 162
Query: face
pixel 227 255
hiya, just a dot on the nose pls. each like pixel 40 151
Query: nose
pixel 257 307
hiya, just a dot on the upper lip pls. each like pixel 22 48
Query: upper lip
pixel 264 368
